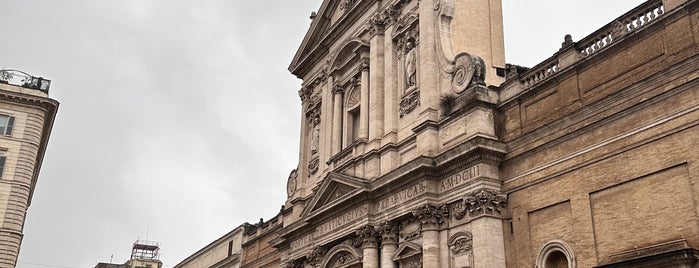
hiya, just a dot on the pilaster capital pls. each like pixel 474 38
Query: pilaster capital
pixel 389 233
pixel 431 216
pixel 367 237
pixel 484 202
pixel 315 256
pixel 338 89
pixel 363 65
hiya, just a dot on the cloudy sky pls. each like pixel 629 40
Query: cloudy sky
pixel 178 119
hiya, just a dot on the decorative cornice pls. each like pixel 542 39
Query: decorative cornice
pixel 367 237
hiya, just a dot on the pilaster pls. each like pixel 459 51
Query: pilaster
pixel 431 217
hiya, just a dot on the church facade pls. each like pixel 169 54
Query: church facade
pixel 421 147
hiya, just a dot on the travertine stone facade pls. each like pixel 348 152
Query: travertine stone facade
pixel 421 148
pixel 32 115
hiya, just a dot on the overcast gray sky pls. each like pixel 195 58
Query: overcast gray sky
pixel 178 119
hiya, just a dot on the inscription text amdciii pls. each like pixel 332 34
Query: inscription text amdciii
pixel 459 178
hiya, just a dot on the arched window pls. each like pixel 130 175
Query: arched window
pixel 556 254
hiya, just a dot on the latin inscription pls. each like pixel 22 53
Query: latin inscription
pixel 330 226
pixel 459 178
pixel 402 196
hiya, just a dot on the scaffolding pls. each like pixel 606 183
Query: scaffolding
pixel 145 250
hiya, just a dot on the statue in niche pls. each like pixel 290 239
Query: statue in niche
pixel 315 134
pixel 410 64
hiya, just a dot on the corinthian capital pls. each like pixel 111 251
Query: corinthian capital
pixel 367 237
pixel 389 232
pixel 484 202
pixel 431 216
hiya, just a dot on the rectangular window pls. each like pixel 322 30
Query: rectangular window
pixel 6 124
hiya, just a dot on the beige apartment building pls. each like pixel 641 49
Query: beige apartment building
pixel 421 147
pixel 26 119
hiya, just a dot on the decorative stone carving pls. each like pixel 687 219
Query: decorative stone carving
pixel 291 183
pixel 468 71
pixel 458 210
pixel 315 135
pixel 618 29
pixel 409 102
pixel 355 95
pixel 410 63
pixel 294 264
pixel 389 232
pixel 484 201
pixel 316 255
pixel 409 228
pixel 346 5
pixel 367 236
pixel 313 166
pixel 461 242
pixel 431 215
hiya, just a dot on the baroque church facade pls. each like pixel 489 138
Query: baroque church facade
pixel 421 147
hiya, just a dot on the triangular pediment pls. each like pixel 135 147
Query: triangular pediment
pixel 331 13
pixel 407 250
pixel 335 188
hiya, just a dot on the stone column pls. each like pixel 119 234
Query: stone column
pixel 389 244
pixel 391 97
pixel 430 217
pixel 368 240
pixel 337 119
pixel 364 106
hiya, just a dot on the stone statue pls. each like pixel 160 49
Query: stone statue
pixel 410 64
pixel 315 135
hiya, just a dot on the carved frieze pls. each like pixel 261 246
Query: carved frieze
pixel 367 236
pixel 484 202
pixel 291 183
pixel 409 102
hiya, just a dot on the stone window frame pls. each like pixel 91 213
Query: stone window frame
pixel 552 247
pixel 7 123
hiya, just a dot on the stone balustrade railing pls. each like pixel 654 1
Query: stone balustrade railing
pixel 573 52
pixel 541 72
pixel 633 20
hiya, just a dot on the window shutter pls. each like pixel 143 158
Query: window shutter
pixel 10 124
pixel 2 165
